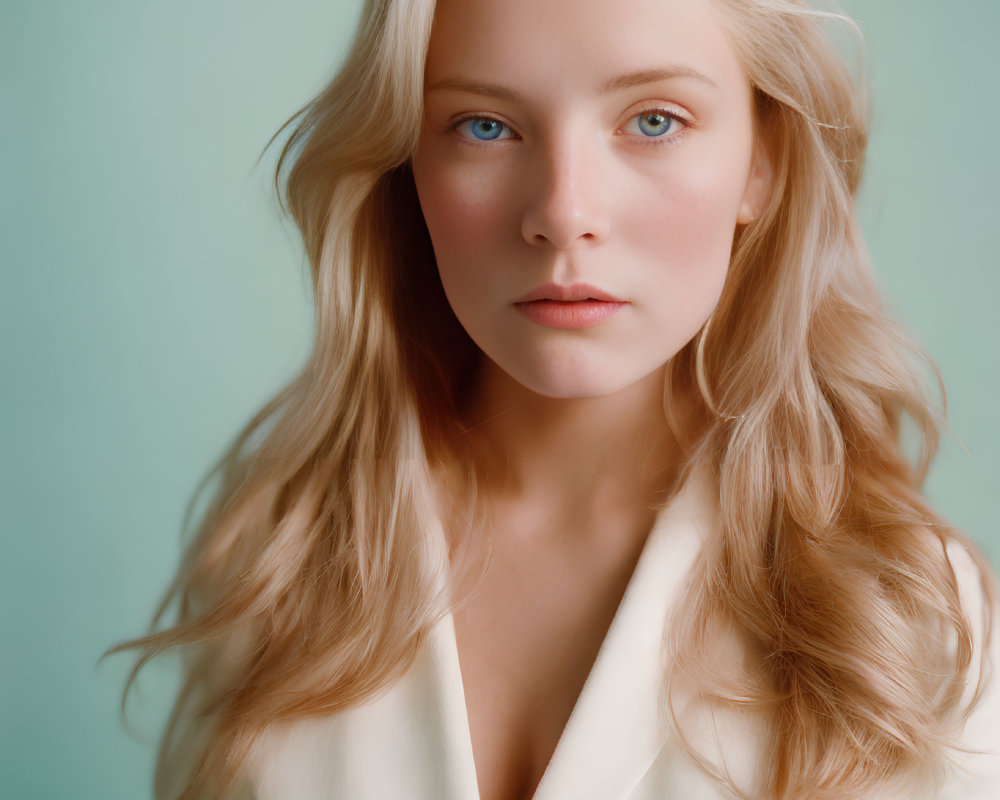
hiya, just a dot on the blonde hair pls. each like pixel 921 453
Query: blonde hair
pixel 315 574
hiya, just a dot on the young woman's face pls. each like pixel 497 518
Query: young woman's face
pixel 582 168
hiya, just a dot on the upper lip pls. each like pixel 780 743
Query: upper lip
pixel 569 294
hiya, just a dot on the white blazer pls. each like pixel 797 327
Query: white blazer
pixel 413 743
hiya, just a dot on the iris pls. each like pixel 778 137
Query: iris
pixel 485 129
pixel 654 124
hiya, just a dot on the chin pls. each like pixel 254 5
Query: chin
pixel 565 384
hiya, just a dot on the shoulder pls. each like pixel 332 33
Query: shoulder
pixel 975 769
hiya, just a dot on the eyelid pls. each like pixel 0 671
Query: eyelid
pixel 665 106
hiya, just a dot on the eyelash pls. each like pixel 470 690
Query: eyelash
pixel 666 140
pixel 647 141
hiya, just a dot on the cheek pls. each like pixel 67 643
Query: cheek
pixel 687 229
pixel 464 209
pixel 470 212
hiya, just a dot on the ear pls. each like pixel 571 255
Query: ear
pixel 758 188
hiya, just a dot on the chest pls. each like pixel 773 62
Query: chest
pixel 414 739
pixel 527 639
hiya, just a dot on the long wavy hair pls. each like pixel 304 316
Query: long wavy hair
pixel 318 568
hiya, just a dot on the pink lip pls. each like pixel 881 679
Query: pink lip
pixel 568 313
pixel 576 306
pixel 571 294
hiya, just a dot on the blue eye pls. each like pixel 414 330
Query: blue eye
pixel 483 129
pixel 652 124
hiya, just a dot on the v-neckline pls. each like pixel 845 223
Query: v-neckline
pixel 614 731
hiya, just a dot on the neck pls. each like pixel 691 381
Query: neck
pixel 586 454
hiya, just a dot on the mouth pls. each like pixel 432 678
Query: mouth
pixel 575 293
pixel 570 307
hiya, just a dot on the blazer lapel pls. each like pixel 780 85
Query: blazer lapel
pixel 413 741
pixel 615 732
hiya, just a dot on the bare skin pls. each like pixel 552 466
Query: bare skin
pixel 603 144
pixel 572 500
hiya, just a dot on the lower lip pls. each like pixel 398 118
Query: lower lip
pixel 562 314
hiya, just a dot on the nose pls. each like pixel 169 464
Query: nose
pixel 566 203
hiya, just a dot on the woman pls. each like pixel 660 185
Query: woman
pixel 592 486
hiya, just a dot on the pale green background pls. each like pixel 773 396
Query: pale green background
pixel 151 300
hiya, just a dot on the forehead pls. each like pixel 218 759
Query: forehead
pixel 565 43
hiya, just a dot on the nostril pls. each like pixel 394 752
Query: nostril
pixel 563 224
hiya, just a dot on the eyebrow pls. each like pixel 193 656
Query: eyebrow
pixel 617 84
pixel 644 76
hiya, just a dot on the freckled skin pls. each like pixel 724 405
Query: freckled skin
pixel 573 191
